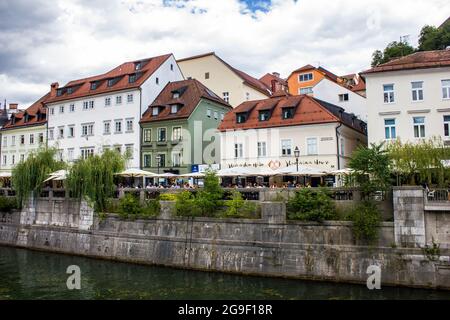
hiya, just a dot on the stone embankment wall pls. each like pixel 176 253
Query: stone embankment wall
pixel 270 246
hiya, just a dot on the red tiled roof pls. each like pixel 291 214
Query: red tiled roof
pixel 308 110
pixel 269 77
pixel 83 86
pixel 327 73
pixel 190 93
pixel 418 60
pixel 249 80
pixel 32 111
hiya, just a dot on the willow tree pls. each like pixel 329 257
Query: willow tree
pixel 93 178
pixel 28 175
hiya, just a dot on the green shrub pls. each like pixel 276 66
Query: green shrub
pixel 366 220
pixel 129 206
pixel 151 208
pixel 311 205
pixel 185 206
pixel 168 197
pixel 239 208
pixel 8 204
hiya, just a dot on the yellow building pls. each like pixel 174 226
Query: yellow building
pixel 229 83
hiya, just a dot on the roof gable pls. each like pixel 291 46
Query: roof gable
pixel 33 115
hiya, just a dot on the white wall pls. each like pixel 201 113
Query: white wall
pixel 433 107
pixel 329 91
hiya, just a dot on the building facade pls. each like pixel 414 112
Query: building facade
pixel 409 98
pixel 179 129
pixel 232 85
pixel 265 133
pixel 102 112
pixel 24 133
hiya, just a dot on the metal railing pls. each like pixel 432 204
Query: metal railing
pixel 438 195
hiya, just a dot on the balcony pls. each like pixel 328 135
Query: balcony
pixel 437 200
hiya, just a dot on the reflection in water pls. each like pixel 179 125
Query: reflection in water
pixel 28 274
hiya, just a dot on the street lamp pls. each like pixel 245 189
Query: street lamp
pixel 297 155
pixel 158 159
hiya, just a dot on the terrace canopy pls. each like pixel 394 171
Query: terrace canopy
pixel 57 176
pixel 302 171
pixel 135 173
pixel 245 172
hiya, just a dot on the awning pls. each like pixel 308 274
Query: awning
pixel 135 173
pixel 57 176
pixel 292 170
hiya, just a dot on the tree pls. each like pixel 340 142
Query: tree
pixel 393 50
pixel 432 38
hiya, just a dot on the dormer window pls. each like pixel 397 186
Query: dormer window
pixel 93 85
pixel 69 90
pixel 176 95
pixel 288 113
pixel 264 115
pixel 174 108
pixel 138 66
pixel 241 117
pixel 26 117
pixel 110 82
pixel 155 111
pixel 13 119
pixel 59 92
pixel 131 78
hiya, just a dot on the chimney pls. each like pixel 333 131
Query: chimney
pixel 276 74
pixel 53 87
pixel 274 85
pixel 13 106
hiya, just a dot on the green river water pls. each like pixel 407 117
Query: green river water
pixel 26 274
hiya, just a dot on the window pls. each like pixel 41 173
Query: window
pixel 389 129
pixel 147 135
pixel 22 139
pixel 91 104
pixel 107 127
pixel 307 90
pixel 161 134
pixel 93 85
pixel 110 82
pixel 311 144
pixel 41 138
pixel 176 134
pixel 241 117
pixel 118 148
pixel 305 77
pixel 171 67
pixel 419 127
pixel 286 148
pixel 216 115
pixel 61 109
pixel 222 116
pixel 22 157
pixel 50 134
pixel 147 160
pixel 208 113
pixel 13 140
pixel 87 129
pixel 155 111
pixel 206 75
pixel 238 150
pixel 264 115
pixel 5 159
pixel 129 125
pixel 70 154
pixel 342 147
pixel 173 108
pixel 162 160
pixel 72 107
pixel 176 159
pixel 417 90
pixel 31 138
pixel 131 78
pixel 446 126
pixel 118 126
pixel 138 66
pixel 262 149
pixel 226 97
pixel 129 98
pixel 157 80
pixel 288 113
pixel 13 159
pixel 69 90
pixel 343 97
pixel 247 96
pixel 446 89
pixel 60 132
pixel 5 141
pixel 388 90
pixel 107 102
pixel 86 152
pixel 71 132
pixel 52 111
pixel 60 155
pixel 129 151
pixel 175 95
pixel 118 99
pixel 85 105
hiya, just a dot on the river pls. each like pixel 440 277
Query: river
pixel 26 274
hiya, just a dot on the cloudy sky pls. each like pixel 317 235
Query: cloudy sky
pixel 43 41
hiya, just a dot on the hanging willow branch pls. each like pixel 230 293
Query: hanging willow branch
pixel 92 178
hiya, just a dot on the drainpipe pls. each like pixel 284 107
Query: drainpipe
pixel 140 131
pixel 337 147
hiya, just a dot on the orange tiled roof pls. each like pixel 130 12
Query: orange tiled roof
pixel 190 92
pixel 82 87
pixel 308 110
pixel 269 77
pixel 418 60
pixel 36 115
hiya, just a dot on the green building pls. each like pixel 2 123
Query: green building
pixel 179 129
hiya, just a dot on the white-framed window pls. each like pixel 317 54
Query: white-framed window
pixel 107 101
pixel 129 125
pixel 445 89
pixel 419 127
pixel 5 160
pixel 157 80
pixel 147 160
pixel 176 159
pixel 130 98
pixel 52 111
pixel 72 107
pixel 311 146
pixel 5 141
pixel 162 159
pixel 389 129
pixel 118 99
pixel 13 159
pixel 247 96
pixel 85 105
pixel 343 97
pixel 13 140
pixel 22 139
pixel 417 90
pixel 70 154
pixel 31 138
pixel 162 135
pixel 206 75
pixel 307 90
pixel 216 115
pixel 174 108
pixel 60 132
pixel 22 157
pixel 238 150
pixel 305 77
pixel 129 151
pixel 226 97
pixel 87 129
pixel 61 109
pixel 41 138
pixel 71 133
pixel 61 155
pixel 208 113
pixel 342 147
pixel 86 152
pixel 175 95
pixel 118 148
pixel 91 104
pixel 118 126
pixel 389 94
pixel 176 133
pixel 446 126
pixel 286 147
pixel 107 127
pixel 50 134
pixel 155 111
pixel 262 149
pixel 147 135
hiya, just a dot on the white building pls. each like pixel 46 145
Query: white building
pixel 89 115
pixel 409 98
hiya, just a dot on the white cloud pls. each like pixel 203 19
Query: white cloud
pixel 83 37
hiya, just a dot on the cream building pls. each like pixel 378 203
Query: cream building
pixel 232 85
pixel 409 98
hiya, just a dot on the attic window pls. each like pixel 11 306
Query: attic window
pixel 110 82
pixel 138 66
pixel 176 95
pixel 241 117
pixel 59 92
pixel 155 111
pixel 93 85
pixel 69 90
pixel 264 115
pixel 131 78
pixel 174 108
pixel 13 119
pixel 288 113
pixel 26 118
